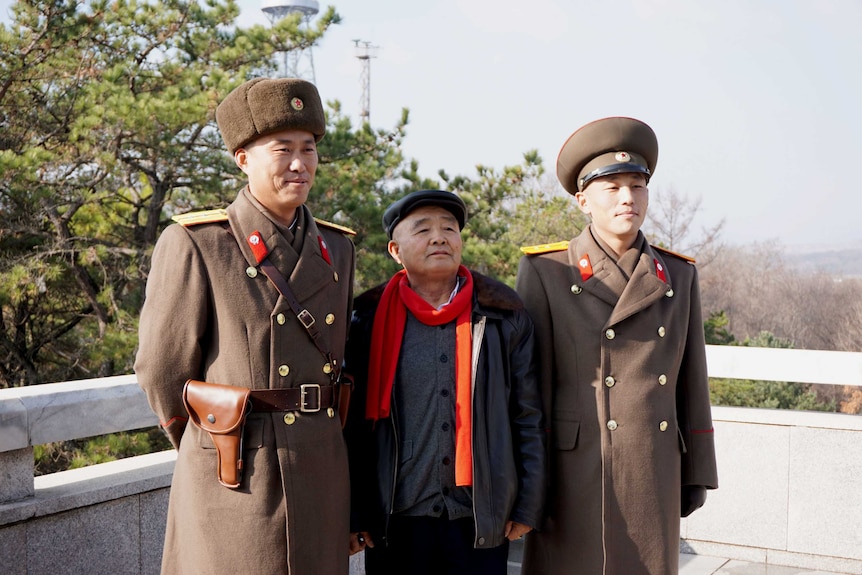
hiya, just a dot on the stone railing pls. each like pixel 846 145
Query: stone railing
pixel 790 482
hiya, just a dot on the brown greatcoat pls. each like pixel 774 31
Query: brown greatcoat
pixel 208 315
pixel 623 373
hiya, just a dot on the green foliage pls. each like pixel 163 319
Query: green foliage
pixel 59 456
pixel 715 329
pixel 106 130
pixel 763 394
pixel 492 200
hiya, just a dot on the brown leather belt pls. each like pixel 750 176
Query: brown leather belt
pixel 307 398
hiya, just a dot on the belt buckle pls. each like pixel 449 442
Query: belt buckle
pixel 305 318
pixel 303 395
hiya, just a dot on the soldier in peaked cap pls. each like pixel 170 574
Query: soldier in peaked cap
pixel 257 296
pixel 622 368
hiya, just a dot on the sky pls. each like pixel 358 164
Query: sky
pixel 757 104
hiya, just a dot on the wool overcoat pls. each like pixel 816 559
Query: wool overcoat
pixel 622 368
pixel 210 315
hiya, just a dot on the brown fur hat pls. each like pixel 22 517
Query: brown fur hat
pixel 266 105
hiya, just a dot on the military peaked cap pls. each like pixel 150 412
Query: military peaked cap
pixel 265 105
pixel 607 146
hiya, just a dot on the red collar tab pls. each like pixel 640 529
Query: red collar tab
pixel 323 250
pixel 659 271
pixel 586 267
pixel 258 248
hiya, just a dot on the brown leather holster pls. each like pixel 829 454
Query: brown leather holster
pixel 220 410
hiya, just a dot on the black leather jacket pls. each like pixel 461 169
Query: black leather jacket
pixel 508 468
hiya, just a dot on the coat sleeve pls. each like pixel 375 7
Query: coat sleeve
pixel 527 426
pixel 358 432
pixel 172 325
pixel 529 286
pixel 693 406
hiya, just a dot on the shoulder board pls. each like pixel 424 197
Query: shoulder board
pixel 545 248
pixel 336 227
pixel 202 217
pixel 674 254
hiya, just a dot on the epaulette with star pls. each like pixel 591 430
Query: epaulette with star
pixel 343 229
pixel 202 217
pixel 545 248
pixel 674 254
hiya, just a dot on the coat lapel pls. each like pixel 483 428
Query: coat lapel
pixel 606 282
pixel 644 288
pixel 312 273
pixel 306 273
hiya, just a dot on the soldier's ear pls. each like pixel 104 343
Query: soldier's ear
pixel 240 156
pixel 583 203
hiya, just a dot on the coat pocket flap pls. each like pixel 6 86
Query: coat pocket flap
pixel 215 408
pixel 565 430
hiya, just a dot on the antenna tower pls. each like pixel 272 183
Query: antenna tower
pixel 365 52
pixel 299 62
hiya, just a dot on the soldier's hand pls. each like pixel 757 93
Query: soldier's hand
pixel 692 498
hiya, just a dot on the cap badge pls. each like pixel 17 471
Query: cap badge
pixel 623 157
pixel 296 104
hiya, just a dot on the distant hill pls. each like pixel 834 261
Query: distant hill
pixel 844 261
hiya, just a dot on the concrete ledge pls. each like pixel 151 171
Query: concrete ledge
pixel 788 418
pixel 49 412
pixel 67 490
pixel 774 557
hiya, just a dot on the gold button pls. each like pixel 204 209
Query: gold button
pixel 290 418
pixel 330 412
pixel 662 379
pixel 669 292
pixel 612 425
pixel 662 426
pixel 330 319
pixel 335 276
pixel 327 368
pixel 576 289
pixel 251 271
pixel 610 334
pixel 661 331
pixel 283 370
pixel 610 381
pixel 280 319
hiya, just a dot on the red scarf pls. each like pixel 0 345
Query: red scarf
pixel 386 336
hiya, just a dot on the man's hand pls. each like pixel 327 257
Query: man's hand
pixel 515 530
pixel 358 541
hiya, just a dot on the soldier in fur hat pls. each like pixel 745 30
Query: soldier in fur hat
pixel 622 368
pixel 258 297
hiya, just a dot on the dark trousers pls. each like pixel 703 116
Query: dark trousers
pixel 434 546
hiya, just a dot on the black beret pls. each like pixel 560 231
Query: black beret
pixel 265 105
pixel 607 146
pixel 399 210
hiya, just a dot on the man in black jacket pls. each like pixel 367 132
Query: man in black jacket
pixel 445 438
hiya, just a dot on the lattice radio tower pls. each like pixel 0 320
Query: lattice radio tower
pixel 299 62
pixel 365 52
